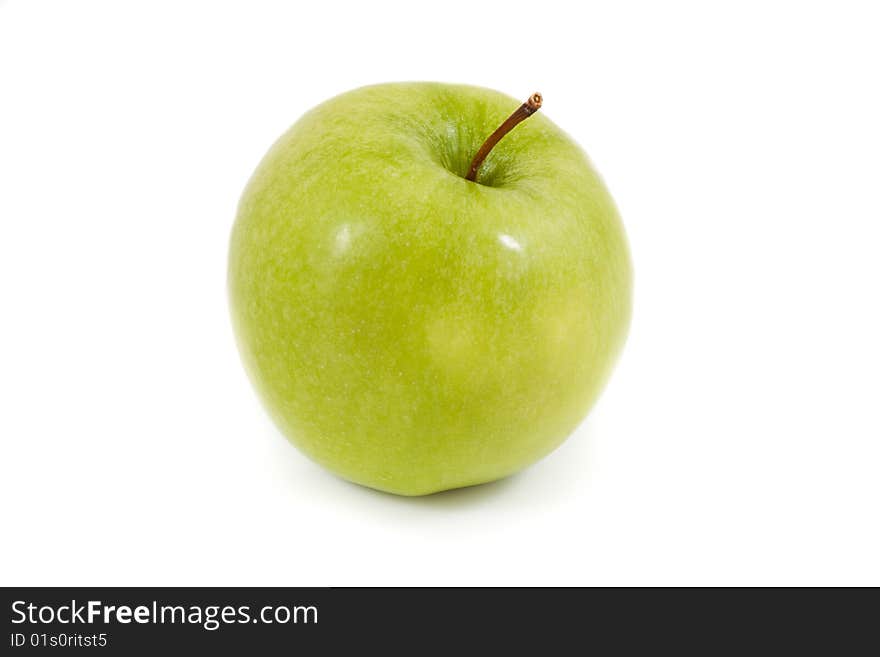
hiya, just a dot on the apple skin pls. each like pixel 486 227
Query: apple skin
pixel 408 329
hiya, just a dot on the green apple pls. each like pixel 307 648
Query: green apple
pixel 412 330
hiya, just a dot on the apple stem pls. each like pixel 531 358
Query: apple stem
pixel 524 111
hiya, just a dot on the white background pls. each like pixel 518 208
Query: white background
pixel 737 442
